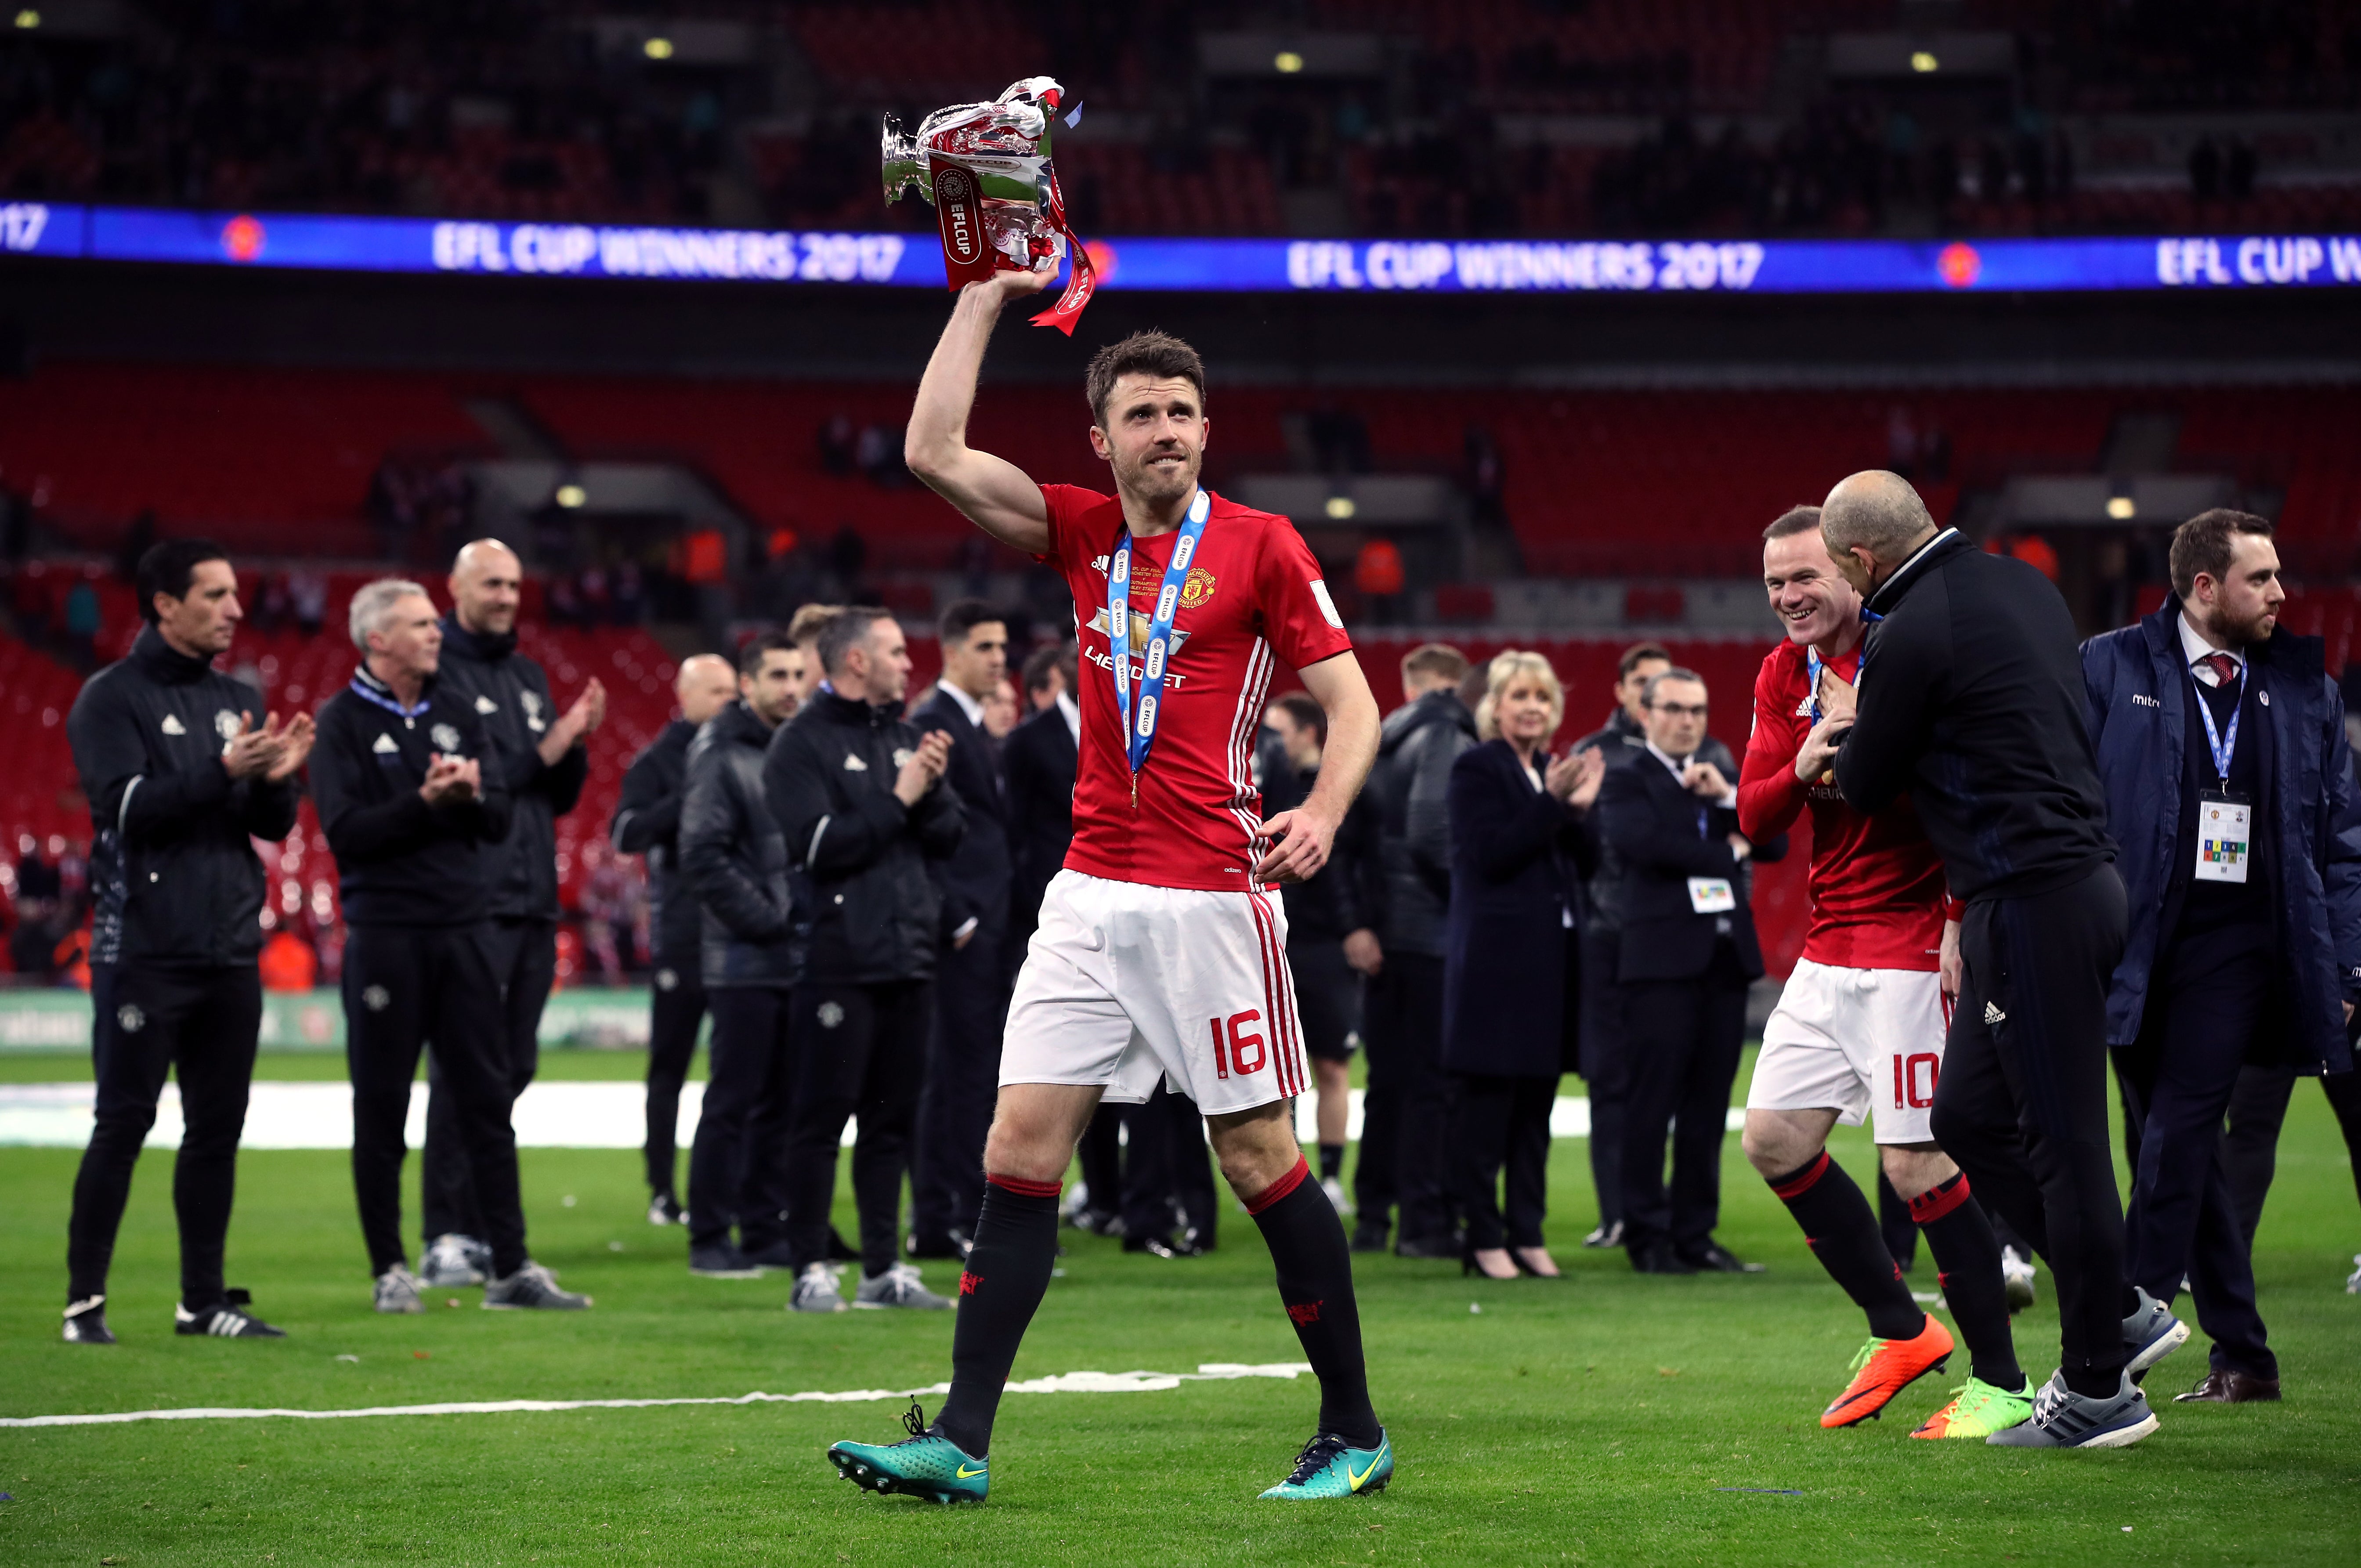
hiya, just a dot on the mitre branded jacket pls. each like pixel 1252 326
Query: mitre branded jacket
pixel 875 912
pixel 510 693
pixel 172 866
pixel 401 862
pixel 733 863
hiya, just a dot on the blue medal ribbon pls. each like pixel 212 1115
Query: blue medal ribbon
pixel 1812 665
pixel 369 691
pixel 1139 731
pixel 2222 746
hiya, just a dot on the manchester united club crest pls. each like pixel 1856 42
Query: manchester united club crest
pixel 447 738
pixel 1197 587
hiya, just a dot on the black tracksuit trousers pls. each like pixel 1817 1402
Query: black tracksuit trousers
pixel 674 1016
pixel 1405 1120
pixel 738 1165
pixel 148 1022
pixel 860 1050
pixel 431 987
pixel 963 1086
pixel 2022 1104
pixel 523 956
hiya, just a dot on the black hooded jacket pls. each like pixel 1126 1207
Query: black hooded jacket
pixel 647 823
pixel 1408 793
pixel 173 868
pixel 875 912
pixel 510 694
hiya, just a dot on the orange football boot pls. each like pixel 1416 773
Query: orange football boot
pixel 1883 1368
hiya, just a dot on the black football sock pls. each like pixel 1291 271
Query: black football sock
pixel 1844 1236
pixel 1008 1270
pixel 1967 1260
pixel 1332 1162
pixel 1894 1223
pixel 1315 1286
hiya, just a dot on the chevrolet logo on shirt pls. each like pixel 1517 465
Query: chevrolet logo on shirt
pixel 1140 630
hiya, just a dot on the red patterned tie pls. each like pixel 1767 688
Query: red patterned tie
pixel 2224 668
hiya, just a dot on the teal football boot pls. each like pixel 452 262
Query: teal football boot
pixel 1330 1468
pixel 920 1465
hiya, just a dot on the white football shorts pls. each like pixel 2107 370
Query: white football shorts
pixel 1867 1042
pixel 1124 984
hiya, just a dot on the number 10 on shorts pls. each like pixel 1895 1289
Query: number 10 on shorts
pixel 1232 1043
pixel 1914 1080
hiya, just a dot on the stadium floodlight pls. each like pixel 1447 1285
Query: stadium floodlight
pixel 28 19
pixel 571 497
pixel 657 49
pixel 2121 508
pixel 1340 508
pixel 1924 62
pixel 1288 62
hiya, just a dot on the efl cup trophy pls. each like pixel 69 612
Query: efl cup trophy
pixel 986 169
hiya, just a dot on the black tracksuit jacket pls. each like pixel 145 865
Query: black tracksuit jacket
pixel 401 862
pixel 875 912
pixel 172 871
pixel 647 823
pixel 1971 699
pixel 510 693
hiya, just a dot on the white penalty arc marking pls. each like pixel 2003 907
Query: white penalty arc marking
pixel 1063 1383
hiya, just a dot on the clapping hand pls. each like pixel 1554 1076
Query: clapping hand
pixel 925 767
pixel 294 747
pixel 451 780
pixel 252 752
pixel 1574 777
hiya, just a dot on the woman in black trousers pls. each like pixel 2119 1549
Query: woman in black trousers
pixel 1521 845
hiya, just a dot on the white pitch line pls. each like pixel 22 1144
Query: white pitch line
pixel 1063 1383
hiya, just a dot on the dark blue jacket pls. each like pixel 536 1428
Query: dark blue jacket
pixel 1518 856
pixel 2138 728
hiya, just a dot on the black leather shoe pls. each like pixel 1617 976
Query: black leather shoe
pixel 1164 1246
pixel 1428 1246
pixel 939 1246
pixel 1094 1221
pixel 1660 1259
pixel 1368 1238
pixel 1718 1259
pixel 2221 1386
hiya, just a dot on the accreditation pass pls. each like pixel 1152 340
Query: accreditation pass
pixel 2225 832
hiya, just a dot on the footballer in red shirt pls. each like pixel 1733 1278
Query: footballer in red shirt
pixel 1858 1034
pixel 1160 956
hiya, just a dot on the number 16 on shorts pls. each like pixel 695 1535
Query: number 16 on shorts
pixel 1237 1044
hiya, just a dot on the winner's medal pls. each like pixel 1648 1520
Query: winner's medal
pixel 986 169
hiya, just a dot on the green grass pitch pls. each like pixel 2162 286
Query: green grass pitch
pixel 1604 1418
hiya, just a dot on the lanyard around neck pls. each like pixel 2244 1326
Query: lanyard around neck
pixel 1139 731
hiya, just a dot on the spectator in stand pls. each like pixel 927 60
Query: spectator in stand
pixel 1406 1110
pixel 734 861
pixel 83 623
pixel 288 963
pixel 1378 574
pixel 858 793
pixel 1522 840
pixel 963 1065
pixel 647 822
pixel 544 760
pixel 414 800
pixel 39 903
pixel 181 780
pixel 307 591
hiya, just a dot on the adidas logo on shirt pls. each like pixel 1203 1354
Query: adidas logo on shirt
pixel 173 725
pixel 384 746
pixel 486 705
pixel 853 765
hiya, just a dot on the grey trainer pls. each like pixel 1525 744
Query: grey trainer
pixel 450 1261
pixel 2063 1418
pixel 898 1287
pixel 531 1288
pixel 2150 1335
pixel 397 1290
pixel 817 1291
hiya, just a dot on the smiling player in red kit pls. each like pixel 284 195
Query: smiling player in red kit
pixel 1161 950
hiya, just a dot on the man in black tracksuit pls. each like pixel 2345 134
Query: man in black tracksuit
pixel 1972 700
pixel 859 795
pixel 1406 1109
pixel 971 1001
pixel 647 823
pixel 409 791
pixel 542 764
pixel 733 864
pixel 181 772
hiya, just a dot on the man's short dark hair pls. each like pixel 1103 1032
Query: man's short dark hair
pixel 751 651
pixel 1151 353
pixel 1039 663
pixel 963 616
pixel 1793 520
pixel 1440 660
pixel 168 566
pixel 1303 707
pixel 1638 654
pixel 2206 543
pixel 810 622
pixel 847 627
pixel 1665 676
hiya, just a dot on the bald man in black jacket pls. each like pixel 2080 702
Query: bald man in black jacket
pixel 1972 700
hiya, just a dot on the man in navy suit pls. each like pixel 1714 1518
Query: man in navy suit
pixel 963 1055
pixel 1688 954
